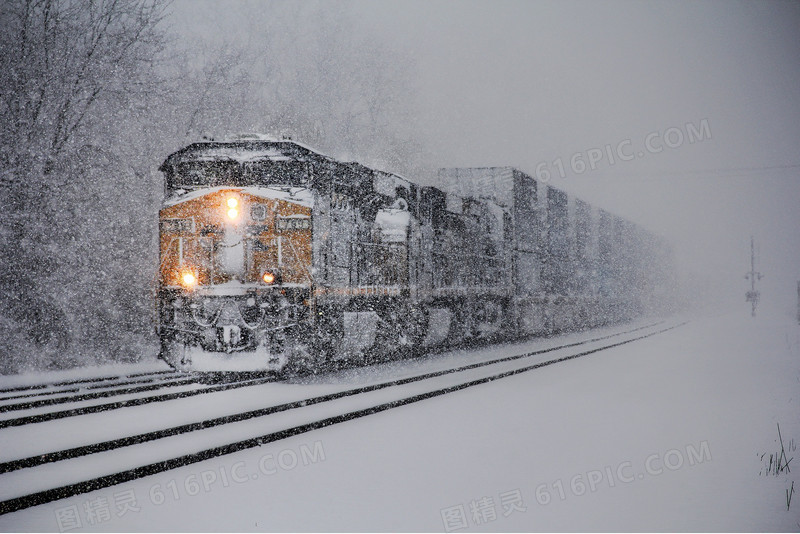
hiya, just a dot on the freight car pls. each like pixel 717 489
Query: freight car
pixel 276 257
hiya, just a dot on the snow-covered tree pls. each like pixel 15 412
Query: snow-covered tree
pixel 74 76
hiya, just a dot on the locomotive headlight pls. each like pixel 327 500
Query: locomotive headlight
pixel 233 208
pixel 268 277
pixel 188 279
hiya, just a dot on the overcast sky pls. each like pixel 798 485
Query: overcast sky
pixel 531 84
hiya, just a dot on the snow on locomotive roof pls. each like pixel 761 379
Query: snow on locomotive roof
pixel 272 139
pixel 298 195
pixel 247 148
pixel 239 151
pixel 251 137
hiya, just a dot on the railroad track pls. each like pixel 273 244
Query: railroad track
pixel 78 382
pixel 40 417
pixel 29 479
pixel 88 387
pixel 151 385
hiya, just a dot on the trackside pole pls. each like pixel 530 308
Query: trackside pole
pixel 753 295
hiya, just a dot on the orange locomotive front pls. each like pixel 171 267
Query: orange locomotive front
pixel 235 277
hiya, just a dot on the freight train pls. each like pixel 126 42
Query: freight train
pixel 276 257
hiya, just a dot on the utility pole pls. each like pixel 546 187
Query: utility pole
pixel 753 295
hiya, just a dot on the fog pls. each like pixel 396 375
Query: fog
pixel 260 261
pixel 528 83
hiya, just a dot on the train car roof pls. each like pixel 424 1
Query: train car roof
pixel 253 148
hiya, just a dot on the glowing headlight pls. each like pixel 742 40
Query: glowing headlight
pixel 188 279
pixel 268 277
pixel 232 204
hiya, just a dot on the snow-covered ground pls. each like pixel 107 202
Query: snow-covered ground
pixel 666 433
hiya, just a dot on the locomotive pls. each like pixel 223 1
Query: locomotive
pixel 276 257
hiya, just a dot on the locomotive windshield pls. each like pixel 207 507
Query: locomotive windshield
pixel 194 174
pixel 236 164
